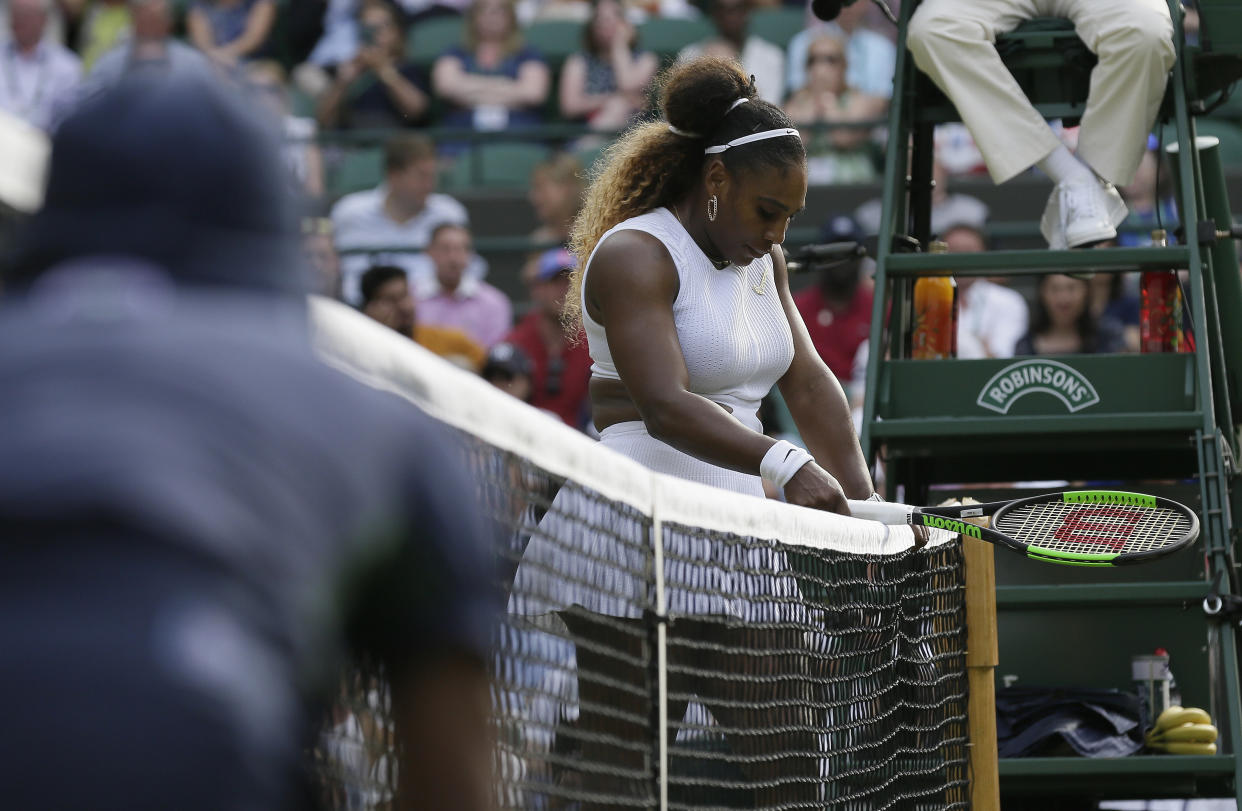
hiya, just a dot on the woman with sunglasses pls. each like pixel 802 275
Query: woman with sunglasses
pixel 838 155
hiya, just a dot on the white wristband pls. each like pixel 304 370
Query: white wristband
pixel 782 461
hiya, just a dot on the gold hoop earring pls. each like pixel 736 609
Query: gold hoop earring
pixel 713 204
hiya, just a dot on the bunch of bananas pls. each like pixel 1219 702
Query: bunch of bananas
pixel 1183 731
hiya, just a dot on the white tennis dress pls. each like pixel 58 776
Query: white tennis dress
pixel 736 342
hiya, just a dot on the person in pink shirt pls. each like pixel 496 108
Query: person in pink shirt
pixel 453 299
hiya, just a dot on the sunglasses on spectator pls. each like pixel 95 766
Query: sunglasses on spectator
pixel 831 59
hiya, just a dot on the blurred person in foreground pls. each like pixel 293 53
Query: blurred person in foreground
pixel 398 214
pixel 561 363
pixel 40 76
pixel 386 298
pixel 453 299
pixel 192 534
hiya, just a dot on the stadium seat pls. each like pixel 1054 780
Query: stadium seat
pixel 359 168
pixel 496 165
pixel 668 36
pixel 589 155
pixel 1230 109
pixel 430 38
pixel 555 40
pixel 778 25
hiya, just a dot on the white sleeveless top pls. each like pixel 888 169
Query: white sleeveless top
pixel 736 341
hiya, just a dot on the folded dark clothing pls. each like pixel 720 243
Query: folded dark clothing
pixel 1032 721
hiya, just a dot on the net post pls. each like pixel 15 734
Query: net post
pixel 661 635
pixel 982 657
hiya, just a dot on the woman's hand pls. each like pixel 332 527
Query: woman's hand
pixel 622 32
pixel 814 487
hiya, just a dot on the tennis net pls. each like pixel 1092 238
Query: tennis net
pixel 758 656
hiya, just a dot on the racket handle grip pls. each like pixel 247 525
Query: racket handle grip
pixel 886 512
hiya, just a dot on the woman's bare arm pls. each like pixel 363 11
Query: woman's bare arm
pixel 818 403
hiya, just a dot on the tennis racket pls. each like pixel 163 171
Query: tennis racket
pixel 1073 527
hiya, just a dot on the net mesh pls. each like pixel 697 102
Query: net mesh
pixel 810 661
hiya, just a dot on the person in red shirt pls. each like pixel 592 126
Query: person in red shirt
pixel 561 363
pixel 837 308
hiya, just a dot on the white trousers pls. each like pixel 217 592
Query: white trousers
pixel 953 42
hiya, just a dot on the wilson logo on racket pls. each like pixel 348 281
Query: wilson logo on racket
pixel 1025 377
pixel 951 524
pixel 1104 526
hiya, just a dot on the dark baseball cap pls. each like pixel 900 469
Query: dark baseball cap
pixel 505 360
pixel 176 170
pixel 840 228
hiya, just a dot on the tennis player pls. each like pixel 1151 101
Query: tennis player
pixel 196 516
pixel 684 298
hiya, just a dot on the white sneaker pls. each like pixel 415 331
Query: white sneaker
pixel 1081 213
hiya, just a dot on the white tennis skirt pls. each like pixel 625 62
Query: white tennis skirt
pixel 603 562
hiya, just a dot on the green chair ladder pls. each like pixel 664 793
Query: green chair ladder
pixel 1144 416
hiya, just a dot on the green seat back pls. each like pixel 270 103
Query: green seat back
pixel 496 165
pixel 1220 26
pixel 555 40
pixel 668 36
pixel 360 168
pixel 589 155
pixel 429 38
pixel 778 25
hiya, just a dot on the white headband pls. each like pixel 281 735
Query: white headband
pixel 754 136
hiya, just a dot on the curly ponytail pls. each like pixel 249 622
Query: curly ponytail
pixel 658 162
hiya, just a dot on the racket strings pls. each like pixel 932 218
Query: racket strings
pixel 1094 528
